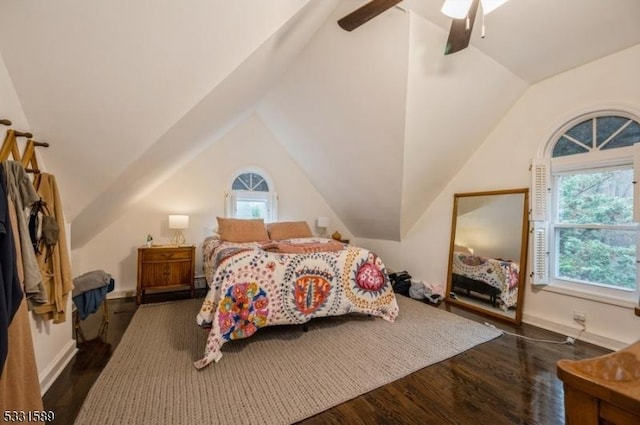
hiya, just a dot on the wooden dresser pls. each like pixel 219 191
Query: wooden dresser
pixel 602 390
pixel 165 268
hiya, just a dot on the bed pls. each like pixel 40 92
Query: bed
pixel 495 278
pixel 276 279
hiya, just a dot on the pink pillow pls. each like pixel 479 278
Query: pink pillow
pixel 289 230
pixel 242 230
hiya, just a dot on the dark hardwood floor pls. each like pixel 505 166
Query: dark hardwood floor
pixel 508 380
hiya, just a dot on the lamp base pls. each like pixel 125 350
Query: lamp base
pixel 178 239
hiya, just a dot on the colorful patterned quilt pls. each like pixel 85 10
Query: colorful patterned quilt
pixel 252 287
pixel 497 273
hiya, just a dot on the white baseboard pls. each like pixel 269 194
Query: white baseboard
pixel 586 336
pixel 55 368
pixel 121 294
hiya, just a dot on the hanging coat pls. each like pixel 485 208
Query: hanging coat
pixel 10 292
pixel 54 266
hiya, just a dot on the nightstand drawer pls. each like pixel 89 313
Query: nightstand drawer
pixel 166 254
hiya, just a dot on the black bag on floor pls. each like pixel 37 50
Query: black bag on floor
pixel 400 282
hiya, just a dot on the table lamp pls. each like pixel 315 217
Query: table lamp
pixel 323 223
pixel 178 222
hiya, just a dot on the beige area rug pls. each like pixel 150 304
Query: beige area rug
pixel 279 375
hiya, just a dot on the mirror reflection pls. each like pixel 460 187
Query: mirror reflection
pixel 487 261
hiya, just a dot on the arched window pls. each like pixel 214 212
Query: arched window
pixel 251 182
pixel 252 196
pixel 599 133
pixel 585 207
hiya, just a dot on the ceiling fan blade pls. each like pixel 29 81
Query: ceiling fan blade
pixel 459 34
pixel 370 10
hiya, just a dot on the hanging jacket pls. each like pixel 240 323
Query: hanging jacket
pixel 55 267
pixel 10 291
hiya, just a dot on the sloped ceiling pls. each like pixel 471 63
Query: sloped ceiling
pixel 536 39
pixel 340 113
pixel 456 90
pixel 128 90
pixel 104 81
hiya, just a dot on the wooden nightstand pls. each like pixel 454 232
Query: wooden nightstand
pixel 165 268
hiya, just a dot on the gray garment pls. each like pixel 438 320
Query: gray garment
pixel 418 290
pixel 90 280
pixel 23 195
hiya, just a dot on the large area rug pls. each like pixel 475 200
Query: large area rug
pixel 278 376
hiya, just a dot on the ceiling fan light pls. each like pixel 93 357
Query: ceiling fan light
pixel 489 6
pixel 457 9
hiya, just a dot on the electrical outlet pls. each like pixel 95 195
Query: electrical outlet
pixel 579 316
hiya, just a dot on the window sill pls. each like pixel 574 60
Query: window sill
pixel 591 296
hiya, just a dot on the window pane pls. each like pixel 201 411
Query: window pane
pixel 246 180
pixel 242 182
pixel 261 187
pixel 566 147
pixel 251 209
pixel 598 256
pixel 583 132
pixel 238 185
pixel 627 137
pixel 606 126
pixel 601 197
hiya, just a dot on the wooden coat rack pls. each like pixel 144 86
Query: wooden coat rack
pixel 19 386
pixel 28 158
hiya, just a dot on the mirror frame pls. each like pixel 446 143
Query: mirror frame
pixel 524 243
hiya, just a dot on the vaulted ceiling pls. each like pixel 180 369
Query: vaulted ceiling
pixel 130 90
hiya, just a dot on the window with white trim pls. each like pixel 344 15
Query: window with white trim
pixel 251 196
pixel 585 207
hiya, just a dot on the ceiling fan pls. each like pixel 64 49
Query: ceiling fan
pixel 462 12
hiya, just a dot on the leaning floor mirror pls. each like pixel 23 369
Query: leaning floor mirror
pixel 488 252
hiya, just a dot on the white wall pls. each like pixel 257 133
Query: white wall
pixel 198 190
pixel 502 162
pixel 53 344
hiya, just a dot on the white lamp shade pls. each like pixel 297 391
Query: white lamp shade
pixel 178 221
pixel 323 222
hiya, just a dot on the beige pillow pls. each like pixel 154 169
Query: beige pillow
pixel 463 249
pixel 242 230
pixel 289 230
